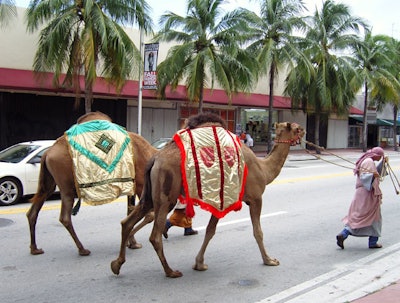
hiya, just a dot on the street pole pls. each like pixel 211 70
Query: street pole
pixel 131 199
pixel 140 86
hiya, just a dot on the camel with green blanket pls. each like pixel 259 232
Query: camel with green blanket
pixel 58 169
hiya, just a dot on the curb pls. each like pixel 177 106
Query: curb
pixel 347 283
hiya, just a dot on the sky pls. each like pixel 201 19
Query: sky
pixel 382 15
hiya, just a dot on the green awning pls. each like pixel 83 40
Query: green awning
pixel 379 122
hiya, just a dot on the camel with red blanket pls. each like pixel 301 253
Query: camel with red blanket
pixel 163 186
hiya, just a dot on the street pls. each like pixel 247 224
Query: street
pixel 302 212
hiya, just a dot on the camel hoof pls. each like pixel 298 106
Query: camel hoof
pixel 272 262
pixel 174 274
pixel 84 252
pixel 37 251
pixel 134 245
pixel 116 266
pixel 200 267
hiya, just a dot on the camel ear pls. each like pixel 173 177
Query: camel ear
pixel 288 126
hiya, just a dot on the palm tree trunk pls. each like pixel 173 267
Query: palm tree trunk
pixel 317 120
pixel 395 143
pixel 270 107
pixel 365 123
pixel 88 97
pixel 201 100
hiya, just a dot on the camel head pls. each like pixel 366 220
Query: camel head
pixel 290 133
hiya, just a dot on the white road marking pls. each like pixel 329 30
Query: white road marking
pixel 243 220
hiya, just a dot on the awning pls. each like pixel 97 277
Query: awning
pixel 378 122
pixel 392 122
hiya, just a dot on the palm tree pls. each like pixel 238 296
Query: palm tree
pixel 374 64
pixel 7 12
pixel 331 87
pixel 207 50
pixel 82 36
pixel 385 83
pixel 271 39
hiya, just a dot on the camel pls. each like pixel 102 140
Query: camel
pixel 57 169
pixel 163 185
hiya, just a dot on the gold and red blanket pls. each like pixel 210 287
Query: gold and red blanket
pixel 102 157
pixel 213 169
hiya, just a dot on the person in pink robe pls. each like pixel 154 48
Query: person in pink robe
pixel 364 216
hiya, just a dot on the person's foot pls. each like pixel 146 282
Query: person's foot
pixel 190 232
pixel 376 246
pixel 340 240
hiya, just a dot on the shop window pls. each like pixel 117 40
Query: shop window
pixel 255 122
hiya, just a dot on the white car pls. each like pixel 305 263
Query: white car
pixel 160 143
pixel 19 170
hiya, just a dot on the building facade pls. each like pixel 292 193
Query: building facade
pixel 32 109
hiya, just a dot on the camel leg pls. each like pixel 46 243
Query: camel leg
pixel 132 243
pixel 210 232
pixel 127 225
pixel 32 216
pixel 67 202
pixel 255 213
pixel 156 239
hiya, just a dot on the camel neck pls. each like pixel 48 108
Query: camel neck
pixel 274 161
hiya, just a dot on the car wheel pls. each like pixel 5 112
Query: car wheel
pixel 10 191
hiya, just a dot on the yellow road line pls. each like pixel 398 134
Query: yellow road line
pixel 123 198
pixel 21 210
pixel 311 178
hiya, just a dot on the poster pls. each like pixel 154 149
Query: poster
pixel 150 66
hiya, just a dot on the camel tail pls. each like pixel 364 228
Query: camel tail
pixel 46 184
pixel 146 200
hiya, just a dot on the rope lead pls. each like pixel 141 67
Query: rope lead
pixel 387 169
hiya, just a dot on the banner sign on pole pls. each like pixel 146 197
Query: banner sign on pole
pixel 150 66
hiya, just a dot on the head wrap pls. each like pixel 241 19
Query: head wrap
pixel 376 151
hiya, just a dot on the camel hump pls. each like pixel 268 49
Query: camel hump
pixel 93 116
pixel 203 119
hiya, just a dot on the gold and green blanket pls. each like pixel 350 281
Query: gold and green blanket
pixel 102 157
pixel 213 169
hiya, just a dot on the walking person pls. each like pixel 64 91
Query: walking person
pixel 364 217
pixel 179 218
pixel 249 141
pixel 242 137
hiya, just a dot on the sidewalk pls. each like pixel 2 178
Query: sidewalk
pixel 389 294
pixel 303 154
pixel 373 279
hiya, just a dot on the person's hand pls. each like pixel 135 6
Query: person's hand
pixel 386 159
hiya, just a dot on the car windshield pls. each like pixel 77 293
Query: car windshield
pixel 17 153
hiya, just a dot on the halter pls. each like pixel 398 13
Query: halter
pixel 293 142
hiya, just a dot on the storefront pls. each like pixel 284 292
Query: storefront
pixel 380 133
pixel 254 121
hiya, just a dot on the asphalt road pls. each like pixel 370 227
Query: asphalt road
pixel 301 216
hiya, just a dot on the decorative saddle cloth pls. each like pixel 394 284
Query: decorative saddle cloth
pixel 213 169
pixel 102 157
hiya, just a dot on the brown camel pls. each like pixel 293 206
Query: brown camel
pixel 57 169
pixel 163 185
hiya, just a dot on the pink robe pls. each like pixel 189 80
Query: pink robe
pixel 365 208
